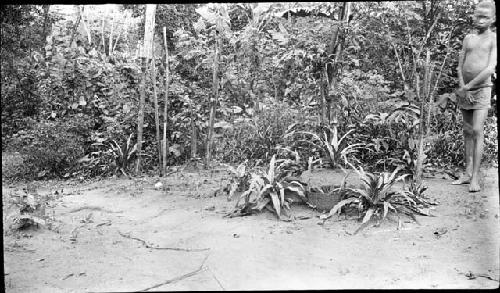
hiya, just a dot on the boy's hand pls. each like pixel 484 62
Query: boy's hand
pixel 463 93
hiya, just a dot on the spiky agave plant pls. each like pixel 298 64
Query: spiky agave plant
pixel 416 200
pixel 328 140
pixel 376 198
pixel 267 190
pixel 239 179
pixel 123 154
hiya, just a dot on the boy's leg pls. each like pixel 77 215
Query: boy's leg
pixel 468 147
pixel 479 117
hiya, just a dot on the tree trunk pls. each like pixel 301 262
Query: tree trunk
pixel 102 37
pixel 45 21
pixel 213 101
pixel 147 53
pixel 85 27
pixel 75 28
pixel 194 140
pixel 110 41
pixel 338 40
pixel 421 137
pixel 157 118
pixel 165 145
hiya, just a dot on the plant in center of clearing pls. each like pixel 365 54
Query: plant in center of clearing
pixel 272 190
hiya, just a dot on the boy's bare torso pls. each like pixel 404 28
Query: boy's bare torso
pixel 477 51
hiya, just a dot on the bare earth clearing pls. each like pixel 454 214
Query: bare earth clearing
pixel 103 234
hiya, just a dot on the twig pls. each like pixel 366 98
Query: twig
pixel 95 208
pixel 215 277
pixel 170 281
pixel 399 63
pixel 428 34
pixel 147 245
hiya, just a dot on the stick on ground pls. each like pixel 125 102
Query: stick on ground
pixel 176 279
pixel 147 245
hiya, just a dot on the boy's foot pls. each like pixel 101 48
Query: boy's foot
pixel 464 179
pixel 474 186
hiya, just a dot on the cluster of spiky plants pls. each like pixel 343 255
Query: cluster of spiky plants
pixel 273 190
pixel 376 198
pixel 328 139
pixel 123 154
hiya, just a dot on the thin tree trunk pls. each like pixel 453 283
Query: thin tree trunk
pixel 103 37
pixel 75 27
pixel 194 135
pixel 157 118
pixel 438 78
pixel 140 118
pixel 421 138
pixel 85 27
pixel 165 109
pixel 147 53
pixel 213 101
pixel 339 46
pixel 110 41
pixel 120 34
pixel 46 9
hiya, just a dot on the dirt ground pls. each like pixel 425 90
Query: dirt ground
pixel 107 236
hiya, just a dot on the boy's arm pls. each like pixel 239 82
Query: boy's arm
pixel 489 70
pixel 461 59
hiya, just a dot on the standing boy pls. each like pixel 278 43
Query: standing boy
pixel 476 64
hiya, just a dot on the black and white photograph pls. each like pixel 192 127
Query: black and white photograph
pixel 225 146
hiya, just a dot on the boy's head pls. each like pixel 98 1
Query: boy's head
pixel 484 14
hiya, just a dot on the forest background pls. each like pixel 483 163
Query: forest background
pixel 71 82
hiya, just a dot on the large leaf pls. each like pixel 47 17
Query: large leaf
pixel 338 206
pixel 345 135
pixel 276 202
pixel 270 173
pixel 314 135
pixel 368 215
pixel 282 192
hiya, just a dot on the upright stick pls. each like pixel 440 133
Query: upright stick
pixel 157 119
pixel 165 111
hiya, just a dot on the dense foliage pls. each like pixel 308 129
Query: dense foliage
pixel 68 106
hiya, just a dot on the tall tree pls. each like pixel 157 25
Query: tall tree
pixel 146 54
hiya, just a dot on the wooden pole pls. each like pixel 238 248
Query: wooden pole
pixel 165 111
pixel 157 118
pixel 146 56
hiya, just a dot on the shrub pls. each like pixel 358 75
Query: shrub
pixel 51 148
pixel 257 137
pixel 12 166
pixel 446 149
